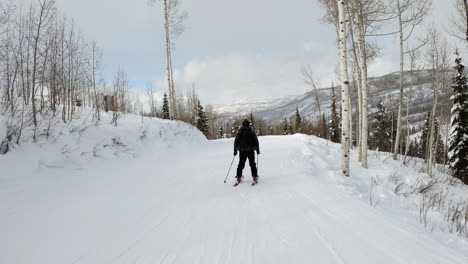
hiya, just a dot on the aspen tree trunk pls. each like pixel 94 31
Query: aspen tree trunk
pixel 363 66
pixel 360 117
pixel 96 103
pixel 400 104
pixel 357 75
pixel 34 71
pixel 168 59
pixel 465 2
pixel 350 119
pixel 431 137
pixel 408 100
pixel 344 89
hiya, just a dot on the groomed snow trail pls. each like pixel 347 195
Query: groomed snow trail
pixel 171 206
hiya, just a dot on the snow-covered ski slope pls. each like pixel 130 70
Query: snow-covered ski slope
pixel 166 203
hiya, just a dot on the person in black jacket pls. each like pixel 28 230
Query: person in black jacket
pixel 246 143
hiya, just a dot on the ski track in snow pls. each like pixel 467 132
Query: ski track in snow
pixel 155 210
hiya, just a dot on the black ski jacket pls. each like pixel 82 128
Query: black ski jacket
pixel 246 140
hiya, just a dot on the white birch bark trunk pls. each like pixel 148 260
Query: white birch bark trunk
pixel 363 66
pixel 400 104
pixel 357 76
pixel 344 89
pixel 169 61
pixel 408 100
pixel 430 149
pixel 359 136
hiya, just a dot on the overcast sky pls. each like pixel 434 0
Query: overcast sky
pixel 231 50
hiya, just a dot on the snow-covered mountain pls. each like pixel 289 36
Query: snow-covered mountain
pixel 384 88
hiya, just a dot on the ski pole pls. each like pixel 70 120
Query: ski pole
pixel 229 169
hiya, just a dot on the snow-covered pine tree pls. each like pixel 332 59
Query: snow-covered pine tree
pixel 202 120
pixel 424 137
pixel 382 129
pixel 221 132
pixel 458 141
pixel 413 148
pixel 285 126
pixel 298 121
pixel 290 129
pixel 424 143
pixel 234 129
pixel 335 130
pixel 165 108
pixel 252 121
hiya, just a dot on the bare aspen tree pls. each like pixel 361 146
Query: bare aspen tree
pixel 96 67
pixel 413 66
pixel 46 68
pixel 45 16
pixel 357 80
pixel 362 61
pixel 438 61
pixel 332 17
pixel 410 13
pixel 460 20
pixel 192 103
pixel 173 27
pixel 368 17
pixel 151 100
pixel 345 144
pixel 308 77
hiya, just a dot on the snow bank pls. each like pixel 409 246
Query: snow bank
pixel 83 141
pixel 440 203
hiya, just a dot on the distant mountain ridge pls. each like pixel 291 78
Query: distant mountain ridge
pixel 384 88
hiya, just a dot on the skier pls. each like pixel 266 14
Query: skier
pixel 246 143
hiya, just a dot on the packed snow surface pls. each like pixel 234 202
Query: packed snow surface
pixel 167 203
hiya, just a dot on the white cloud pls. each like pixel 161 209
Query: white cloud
pixel 231 50
pixel 237 76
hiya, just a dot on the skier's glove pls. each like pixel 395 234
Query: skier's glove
pixel 235 152
pixel 258 152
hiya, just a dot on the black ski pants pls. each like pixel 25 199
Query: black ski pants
pixel 243 156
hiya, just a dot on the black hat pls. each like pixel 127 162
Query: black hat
pixel 246 123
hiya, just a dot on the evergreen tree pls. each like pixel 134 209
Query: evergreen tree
pixel 382 129
pixel 285 127
pixel 252 121
pixel 458 142
pixel 221 132
pixel 165 108
pixel 290 130
pixel 424 137
pixel 324 128
pixel 424 143
pixel 260 133
pixel 298 121
pixel 202 120
pixel 235 128
pixel 413 148
pixel 335 120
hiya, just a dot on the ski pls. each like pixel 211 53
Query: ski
pixel 238 182
pixel 255 181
